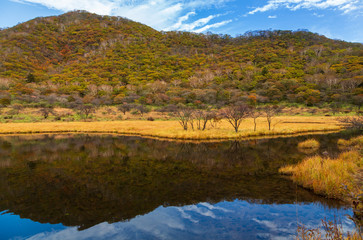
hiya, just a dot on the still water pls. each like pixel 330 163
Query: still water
pixel 118 187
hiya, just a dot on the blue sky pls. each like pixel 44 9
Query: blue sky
pixel 338 19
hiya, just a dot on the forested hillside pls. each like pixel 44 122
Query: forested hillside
pixel 89 58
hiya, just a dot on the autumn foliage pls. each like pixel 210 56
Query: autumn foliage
pixel 112 60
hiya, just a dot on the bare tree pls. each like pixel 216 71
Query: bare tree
pixel 86 109
pixel 124 107
pixel 184 116
pixel 235 114
pixel 191 121
pixel 202 118
pixel 255 113
pixel 142 109
pixel 46 111
pixel 355 122
pixel 270 113
pixel 216 118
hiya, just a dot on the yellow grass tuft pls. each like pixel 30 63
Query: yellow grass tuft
pixel 330 177
pixel 354 143
pixel 309 144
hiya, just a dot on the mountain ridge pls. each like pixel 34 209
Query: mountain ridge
pixel 80 53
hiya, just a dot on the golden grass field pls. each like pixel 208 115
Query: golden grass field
pixel 282 125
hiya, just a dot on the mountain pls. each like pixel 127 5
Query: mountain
pixel 79 55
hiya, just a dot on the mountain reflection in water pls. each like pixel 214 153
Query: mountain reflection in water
pixel 183 190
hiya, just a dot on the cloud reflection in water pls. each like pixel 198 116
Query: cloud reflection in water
pixel 224 220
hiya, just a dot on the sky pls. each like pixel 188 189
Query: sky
pixel 337 19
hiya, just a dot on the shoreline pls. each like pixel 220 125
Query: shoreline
pixel 171 130
pixel 197 140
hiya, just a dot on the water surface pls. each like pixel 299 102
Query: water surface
pixel 117 187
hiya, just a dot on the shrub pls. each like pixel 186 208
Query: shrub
pixel 309 144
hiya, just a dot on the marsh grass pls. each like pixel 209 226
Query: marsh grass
pixel 171 129
pixel 340 178
pixel 353 143
pixel 310 143
pixel 333 178
pixel 309 146
pixel 331 231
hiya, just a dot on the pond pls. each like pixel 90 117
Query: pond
pixel 119 187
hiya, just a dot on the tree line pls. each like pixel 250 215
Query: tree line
pixel 190 118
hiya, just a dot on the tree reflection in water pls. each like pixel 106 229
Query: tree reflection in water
pixel 83 180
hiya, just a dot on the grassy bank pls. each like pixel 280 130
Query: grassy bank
pixel 340 178
pixel 282 125
pixel 326 176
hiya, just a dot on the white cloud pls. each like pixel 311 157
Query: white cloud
pixel 180 21
pixel 213 207
pixel 159 14
pixel 215 25
pixel 196 24
pixel 95 6
pixel 155 13
pixel 273 16
pixel 324 31
pixel 345 6
pixel 318 15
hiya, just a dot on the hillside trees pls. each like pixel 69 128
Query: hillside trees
pixel 117 60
